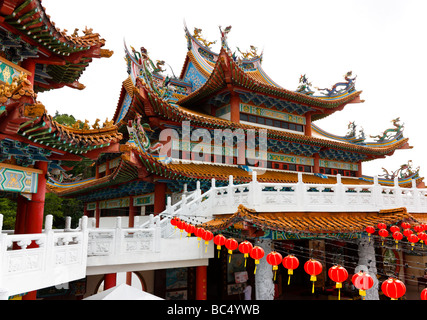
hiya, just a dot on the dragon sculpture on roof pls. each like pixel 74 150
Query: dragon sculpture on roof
pixel 387 134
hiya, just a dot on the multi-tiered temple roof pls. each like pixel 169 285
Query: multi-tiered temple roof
pixel 201 95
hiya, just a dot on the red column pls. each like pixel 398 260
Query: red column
pixel 21 213
pixel 35 207
pixel 132 211
pixel 110 281
pixel 201 278
pixel 34 214
pixel 159 197
pixel 308 131
pixel 235 108
pixel 316 168
pixel 97 214
pixel 29 65
pixel 359 170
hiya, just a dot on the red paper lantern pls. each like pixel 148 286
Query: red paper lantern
pixel 383 233
pixel 207 236
pixel 181 226
pixel 199 232
pixel 394 229
pixel 423 237
pixel 231 244
pixel 290 262
pixel 313 268
pixel 397 237
pixel 418 228
pixel 338 274
pixel 174 221
pixel 274 258
pixel 413 239
pixel 245 247
pixel 382 226
pixel 405 225
pixel 407 232
pixel 393 288
pixel 370 230
pixel 257 253
pixel 190 229
pixel 363 282
pixel 424 226
pixel 424 294
pixel 219 240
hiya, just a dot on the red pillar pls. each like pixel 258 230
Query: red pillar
pixel 97 214
pixel 21 213
pixel 29 65
pixel 316 168
pixel 34 213
pixel 110 281
pixel 159 197
pixel 308 131
pixel 35 207
pixel 201 278
pixel 235 108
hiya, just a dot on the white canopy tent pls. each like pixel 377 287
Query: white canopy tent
pixel 123 292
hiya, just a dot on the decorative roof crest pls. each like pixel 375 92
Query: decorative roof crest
pixel 388 134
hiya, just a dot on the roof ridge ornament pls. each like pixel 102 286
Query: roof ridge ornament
pixel 348 86
pixel 224 36
pixel 398 128
pixel 198 36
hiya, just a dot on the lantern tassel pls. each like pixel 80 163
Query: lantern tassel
pixel 256 263
pixel 229 255
pixel 246 256
pixel 290 272
pixel 313 278
pixel 219 250
pixel 198 244
pixel 339 286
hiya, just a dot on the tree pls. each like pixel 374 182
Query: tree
pixel 8 210
pixel 64 119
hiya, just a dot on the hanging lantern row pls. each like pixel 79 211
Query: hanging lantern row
pixel 413 238
pixel 392 288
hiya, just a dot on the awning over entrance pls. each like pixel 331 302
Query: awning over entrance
pixel 315 223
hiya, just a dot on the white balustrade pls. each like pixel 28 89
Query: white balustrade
pixel 32 261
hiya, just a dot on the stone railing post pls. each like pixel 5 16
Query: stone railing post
pixel 340 192
pixel 184 207
pixel 157 235
pixel 300 192
pixel 378 196
pixel 255 196
pixel 230 192
pixel 416 196
pixel 212 197
pixel 67 223
pixel 1 223
pixel 118 237
pixel 397 191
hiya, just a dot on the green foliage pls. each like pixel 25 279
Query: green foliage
pixel 64 119
pixel 60 208
pixel 8 210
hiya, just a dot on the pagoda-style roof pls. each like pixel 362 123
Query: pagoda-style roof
pixel 294 225
pixel 28 32
pixel 146 102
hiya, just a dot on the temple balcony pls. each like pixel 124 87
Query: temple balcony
pixel 34 261
pixel 298 197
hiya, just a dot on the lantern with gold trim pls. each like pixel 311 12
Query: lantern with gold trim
pixel 290 262
pixel 370 230
pixel 313 268
pixel 363 282
pixel 231 244
pixel 338 274
pixel 424 294
pixel 245 247
pixel 199 232
pixel 383 233
pixel 190 229
pixel 207 236
pixel 397 236
pixel 393 288
pixel 274 258
pixel 423 238
pixel 413 239
pixel 219 240
pixel 257 253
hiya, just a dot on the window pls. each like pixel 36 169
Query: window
pixel 260 120
pixel 277 123
pixel 276 166
pixel 292 167
pixel 252 118
pixel 269 122
pixel 243 117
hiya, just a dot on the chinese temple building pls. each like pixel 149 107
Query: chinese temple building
pixel 273 176
pixel 222 147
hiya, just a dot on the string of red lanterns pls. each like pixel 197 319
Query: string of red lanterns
pixel 392 287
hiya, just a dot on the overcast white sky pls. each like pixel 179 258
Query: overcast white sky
pixel 382 41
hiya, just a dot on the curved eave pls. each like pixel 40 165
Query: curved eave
pixel 226 67
pixel 123 173
pixel 179 114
